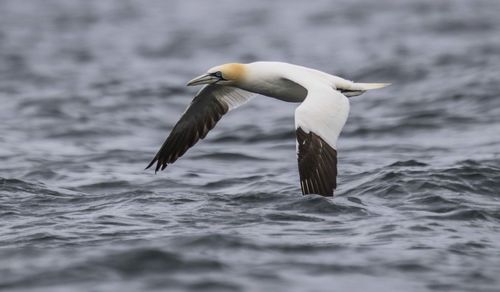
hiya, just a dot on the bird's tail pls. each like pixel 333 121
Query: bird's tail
pixel 354 89
pixel 369 86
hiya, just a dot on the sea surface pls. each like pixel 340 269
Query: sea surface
pixel 90 89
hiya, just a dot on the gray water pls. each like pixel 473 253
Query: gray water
pixel 90 89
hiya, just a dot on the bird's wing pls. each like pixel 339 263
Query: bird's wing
pixel 206 109
pixel 318 122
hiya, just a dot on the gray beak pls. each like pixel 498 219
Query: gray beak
pixel 203 79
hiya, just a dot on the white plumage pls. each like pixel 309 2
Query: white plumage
pixel 319 118
pixel 311 114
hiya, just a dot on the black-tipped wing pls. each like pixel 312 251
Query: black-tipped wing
pixel 318 122
pixel 317 164
pixel 206 109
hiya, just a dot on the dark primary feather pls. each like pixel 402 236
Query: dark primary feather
pixel 201 116
pixel 317 164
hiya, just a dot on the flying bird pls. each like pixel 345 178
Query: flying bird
pixel 319 118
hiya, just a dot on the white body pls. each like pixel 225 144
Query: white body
pixel 324 110
pixel 267 78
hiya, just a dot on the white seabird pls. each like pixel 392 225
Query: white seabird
pixel 319 118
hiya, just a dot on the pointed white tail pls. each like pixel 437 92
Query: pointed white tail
pixel 369 86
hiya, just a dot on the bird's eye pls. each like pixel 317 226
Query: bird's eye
pixel 217 74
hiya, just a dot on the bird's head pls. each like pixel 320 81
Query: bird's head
pixel 227 74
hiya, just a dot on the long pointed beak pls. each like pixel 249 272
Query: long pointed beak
pixel 203 79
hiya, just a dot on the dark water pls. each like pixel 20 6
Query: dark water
pixel 89 90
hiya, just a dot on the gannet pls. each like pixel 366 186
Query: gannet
pixel 319 118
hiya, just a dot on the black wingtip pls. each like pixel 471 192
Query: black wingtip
pixel 151 163
pixel 158 167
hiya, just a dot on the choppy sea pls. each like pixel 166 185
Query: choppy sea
pixel 89 90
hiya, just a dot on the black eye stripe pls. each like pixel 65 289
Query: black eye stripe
pixel 217 74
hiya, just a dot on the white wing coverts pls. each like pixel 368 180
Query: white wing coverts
pixel 318 123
